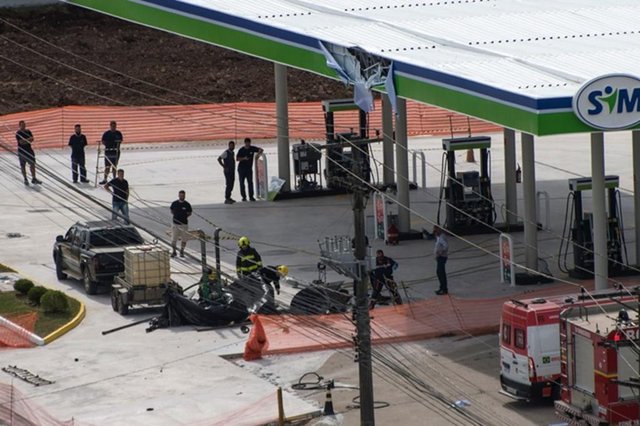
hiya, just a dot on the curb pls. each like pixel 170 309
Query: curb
pixel 68 326
pixel 31 337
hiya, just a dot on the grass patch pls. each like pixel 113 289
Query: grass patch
pixel 11 303
pixel 4 268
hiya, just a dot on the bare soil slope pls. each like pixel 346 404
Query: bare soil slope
pixel 53 56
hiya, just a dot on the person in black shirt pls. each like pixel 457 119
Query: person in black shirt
pixel 111 139
pixel 77 142
pixel 226 160
pixel 24 137
pixel 245 158
pixel 120 192
pixel 271 275
pixel 181 210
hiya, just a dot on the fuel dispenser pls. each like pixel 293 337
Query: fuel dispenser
pixel 306 166
pixel 470 208
pixel 346 153
pixel 341 149
pixel 578 231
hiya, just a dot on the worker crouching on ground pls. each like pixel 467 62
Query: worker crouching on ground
pixel 271 277
pixel 248 259
pixel 381 276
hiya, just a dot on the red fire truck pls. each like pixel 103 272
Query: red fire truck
pixel 600 361
pixel 530 341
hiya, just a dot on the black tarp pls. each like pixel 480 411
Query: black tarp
pixel 241 297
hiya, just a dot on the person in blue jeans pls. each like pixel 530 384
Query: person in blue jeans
pixel 119 189
pixel 441 252
pixel 246 157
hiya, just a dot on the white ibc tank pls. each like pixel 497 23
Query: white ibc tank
pixel 146 265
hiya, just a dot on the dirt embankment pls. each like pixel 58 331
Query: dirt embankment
pixel 37 71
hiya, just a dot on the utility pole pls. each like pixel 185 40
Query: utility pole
pixel 361 309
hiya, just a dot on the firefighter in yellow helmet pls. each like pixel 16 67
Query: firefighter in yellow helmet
pixel 248 259
pixel 271 275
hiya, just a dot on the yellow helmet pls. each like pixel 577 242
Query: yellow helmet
pixel 243 242
pixel 283 269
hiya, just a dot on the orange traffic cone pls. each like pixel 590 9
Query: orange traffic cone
pixel 470 157
pixel 257 342
pixel 328 404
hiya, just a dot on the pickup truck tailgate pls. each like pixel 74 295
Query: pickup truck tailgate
pixel 109 260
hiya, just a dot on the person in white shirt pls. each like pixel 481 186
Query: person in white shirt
pixel 441 252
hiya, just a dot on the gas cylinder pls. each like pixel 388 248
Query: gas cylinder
pixel 392 235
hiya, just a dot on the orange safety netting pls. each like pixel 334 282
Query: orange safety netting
pixel 52 127
pixel 258 412
pixel 16 409
pixel 419 320
pixel 12 339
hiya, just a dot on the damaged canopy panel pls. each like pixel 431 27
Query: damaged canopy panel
pixel 362 69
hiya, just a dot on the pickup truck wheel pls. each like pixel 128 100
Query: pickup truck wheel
pixel 90 286
pixel 61 275
pixel 123 308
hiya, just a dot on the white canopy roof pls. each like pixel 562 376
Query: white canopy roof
pixel 540 48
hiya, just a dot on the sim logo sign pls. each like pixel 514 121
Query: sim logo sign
pixel 610 102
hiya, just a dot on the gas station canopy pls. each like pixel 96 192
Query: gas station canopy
pixel 515 63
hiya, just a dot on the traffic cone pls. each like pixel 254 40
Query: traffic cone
pixel 257 341
pixel 328 404
pixel 470 157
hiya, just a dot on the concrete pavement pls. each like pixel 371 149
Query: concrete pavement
pixel 178 372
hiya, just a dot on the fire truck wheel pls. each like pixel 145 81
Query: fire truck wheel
pixel 556 392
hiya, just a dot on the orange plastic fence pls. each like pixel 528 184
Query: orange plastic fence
pixel 11 339
pixel 15 409
pixel 420 320
pixel 52 127
pixel 258 412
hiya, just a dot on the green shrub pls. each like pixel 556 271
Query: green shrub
pixel 36 293
pixel 23 286
pixel 54 301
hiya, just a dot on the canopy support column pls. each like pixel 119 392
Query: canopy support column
pixel 529 189
pixel 402 167
pixel 282 119
pixel 510 188
pixel 600 261
pixel 387 142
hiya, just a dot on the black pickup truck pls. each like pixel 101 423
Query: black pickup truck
pixel 93 252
